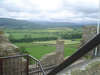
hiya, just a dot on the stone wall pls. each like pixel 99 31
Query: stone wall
pixel 88 33
pixel 56 57
pixel 91 69
pixel 60 46
pixel 7 48
pixel 16 66
pixel 11 66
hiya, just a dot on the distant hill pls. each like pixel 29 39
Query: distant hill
pixel 13 23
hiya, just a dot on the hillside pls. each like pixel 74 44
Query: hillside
pixel 13 23
pixel 20 24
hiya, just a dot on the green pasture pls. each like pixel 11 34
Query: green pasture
pixel 36 50
pixel 37 33
pixel 32 35
pixel 74 41
pixel 40 49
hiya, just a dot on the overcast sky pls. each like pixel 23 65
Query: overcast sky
pixel 50 10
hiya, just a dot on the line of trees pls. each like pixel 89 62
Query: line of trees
pixel 29 38
pixel 72 36
pixel 33 39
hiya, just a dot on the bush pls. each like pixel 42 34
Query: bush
pixel 23 50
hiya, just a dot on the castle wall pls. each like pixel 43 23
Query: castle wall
pixel 88 33
pixel 11 66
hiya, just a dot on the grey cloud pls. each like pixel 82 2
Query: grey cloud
pixel 87 11
pixel 11 7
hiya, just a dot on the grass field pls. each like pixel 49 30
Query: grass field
pixel 39 33
pixel 38 48
pixel 42 48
